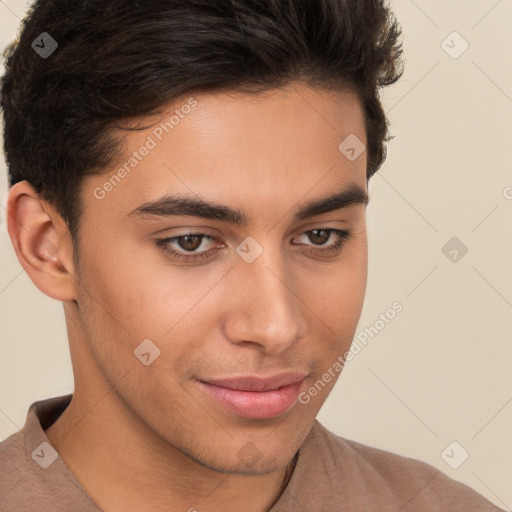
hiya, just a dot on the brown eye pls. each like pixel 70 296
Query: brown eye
pixel 190 242
pixel 319 236
pixel 185 247
pixel 316 239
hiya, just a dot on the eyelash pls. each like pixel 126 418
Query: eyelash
pixel 163 243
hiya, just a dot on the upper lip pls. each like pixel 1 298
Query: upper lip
pixel 257 383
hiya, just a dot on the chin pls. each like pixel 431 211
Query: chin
pixel 247 461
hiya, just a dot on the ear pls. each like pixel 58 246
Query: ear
pixel 42 242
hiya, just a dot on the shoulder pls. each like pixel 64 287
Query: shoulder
pixel 370 478
pixel 13 462
pixel 32 475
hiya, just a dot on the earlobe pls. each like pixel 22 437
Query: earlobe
pixel 43 247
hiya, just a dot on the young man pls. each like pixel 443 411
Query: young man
pixel 190 179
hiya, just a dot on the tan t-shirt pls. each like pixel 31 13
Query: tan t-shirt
pixel 331 474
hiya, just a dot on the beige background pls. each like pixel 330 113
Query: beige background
pixel 440 371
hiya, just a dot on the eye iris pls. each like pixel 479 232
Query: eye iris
pixel 319 239
pixel 186 242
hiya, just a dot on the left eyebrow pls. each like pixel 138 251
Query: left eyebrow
pixel 169 205
pixel 354 194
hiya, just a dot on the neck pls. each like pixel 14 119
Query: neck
pixel 124 466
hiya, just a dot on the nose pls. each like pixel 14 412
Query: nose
pixel 263 310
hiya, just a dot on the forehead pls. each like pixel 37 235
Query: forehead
pixel 239 148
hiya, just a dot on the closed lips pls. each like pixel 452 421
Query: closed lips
pixel 254 397
pixel 258 384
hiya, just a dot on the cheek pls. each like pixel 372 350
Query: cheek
pixel 337 291
pixel 335 297
pixel 142 295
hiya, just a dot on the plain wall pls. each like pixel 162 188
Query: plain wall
pixel 440 370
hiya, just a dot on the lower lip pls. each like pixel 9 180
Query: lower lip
pixel 254 404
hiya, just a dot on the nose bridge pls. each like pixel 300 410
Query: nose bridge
pixel 266 310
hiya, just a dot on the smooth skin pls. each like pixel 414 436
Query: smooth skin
pixel 143 437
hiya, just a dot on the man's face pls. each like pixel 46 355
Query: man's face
pixel 258 298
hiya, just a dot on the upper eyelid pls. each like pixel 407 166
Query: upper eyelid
pixel 208 235
pixel 342 233
pixel 198 232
